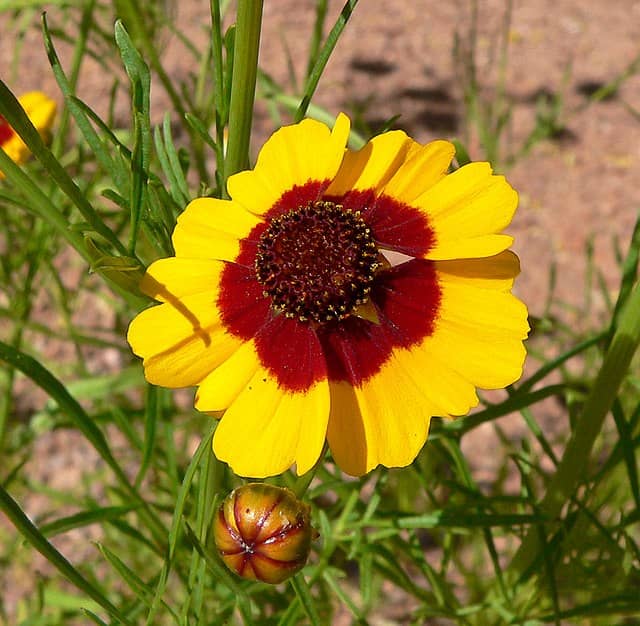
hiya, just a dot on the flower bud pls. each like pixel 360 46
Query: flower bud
pixel 263 532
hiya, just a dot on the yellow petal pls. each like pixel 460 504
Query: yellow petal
pixel 267 429
pixel 469 207
pixel 385 421
pixel 484 361
pixel 485 313
pixel 372 166
pixel 448 392
pixel 495 272
pixel 181 341
pixel 293 155
pixel 220 388
pixel 174 278
pixel 475 247
pixel 212 229
pixel 423 168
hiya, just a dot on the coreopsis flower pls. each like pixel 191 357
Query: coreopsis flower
pixel 41 110
pixel 339 295
pixel 263 532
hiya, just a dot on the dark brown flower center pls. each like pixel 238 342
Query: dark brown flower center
pixel 317 262
pixel 6 132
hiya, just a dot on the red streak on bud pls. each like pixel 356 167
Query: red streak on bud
pixel 263 532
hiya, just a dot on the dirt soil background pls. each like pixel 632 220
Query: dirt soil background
pixel 395 58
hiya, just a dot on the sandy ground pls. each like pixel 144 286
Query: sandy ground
pixel 396 58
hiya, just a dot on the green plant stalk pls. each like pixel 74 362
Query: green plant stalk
pixel 209 495
pixel 572 466
pixel 174 530
pixel 303 593
pixel 243 87
pixel 218 88
pixel 316 37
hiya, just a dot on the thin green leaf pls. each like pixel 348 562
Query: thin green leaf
pixel 341 594
pixel 323 58
pixel 140 78
pixel 94 618
pixel 462 154
pixel 85 518
pixel 174 531
pixel 303 593
pixel 49 383
pixel 629 276
pixel 78 110
pixel 626 443
pixel 167 165
pixel 182 189
pixel 152 415
pixel 201 129
pixel 142 590
pixel 11 110
pixel 22 523
pixel 222 574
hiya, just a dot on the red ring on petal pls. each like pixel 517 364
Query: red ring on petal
pixel 395 225
pixel 407 298
pixel 297 196
pixel 298 354
pixel 243 308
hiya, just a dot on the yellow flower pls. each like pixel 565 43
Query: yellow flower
pixel 41 110
pixel 341 295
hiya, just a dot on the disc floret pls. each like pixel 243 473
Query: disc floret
pixel 317 262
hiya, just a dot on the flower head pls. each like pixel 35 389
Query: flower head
pixel 340 295
pixel 41 110
pixel 263 532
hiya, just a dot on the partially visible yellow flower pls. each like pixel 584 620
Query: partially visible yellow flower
pixel 339 295
pixel 41 110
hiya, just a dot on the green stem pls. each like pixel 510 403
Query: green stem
pixel 221 114
pixel 302 482
pixel 571 469
pixel 243 88
pixel 303 593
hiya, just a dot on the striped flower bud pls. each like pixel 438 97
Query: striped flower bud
pixel 263 532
